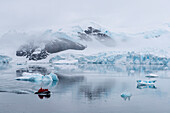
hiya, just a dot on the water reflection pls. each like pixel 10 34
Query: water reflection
pixel 95 93
pixel 67 82
pixel 81 86
pixel 96 90
pixel 32 69
pixel 4 66
pixel 130 69
pixel 49 84
pixel 146 86
pixel 16 91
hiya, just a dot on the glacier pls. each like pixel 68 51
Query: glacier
pixel 111 58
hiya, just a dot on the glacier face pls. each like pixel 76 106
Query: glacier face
pixel 111 58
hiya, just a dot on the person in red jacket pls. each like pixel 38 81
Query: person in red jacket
pixel 43 93
pixel 41 90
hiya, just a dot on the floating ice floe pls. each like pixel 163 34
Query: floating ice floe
pixel 146 86
pixel 146 82
pixel 35 77
pixel 132 71
pixel 126 95
pixel 152 75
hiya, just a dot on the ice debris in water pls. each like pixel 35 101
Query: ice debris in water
pixel 152 75
pixel 5 59
pixel 126 95
pixel 146 86
pixel 35 77
pixel 146 82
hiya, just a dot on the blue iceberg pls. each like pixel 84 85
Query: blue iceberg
pixel 146 86
pixel 126 95
pixel 36 77
pixel 146 82
pixel 4 59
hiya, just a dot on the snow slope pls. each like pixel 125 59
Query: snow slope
pixel 90 39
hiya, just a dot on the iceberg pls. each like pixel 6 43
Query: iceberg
pixel 144 87
pixel 152 75
pixel 146 82
pixel 126 95
pixel 4 59
pixel 36 77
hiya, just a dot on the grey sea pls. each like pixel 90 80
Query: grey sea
pixel 85 89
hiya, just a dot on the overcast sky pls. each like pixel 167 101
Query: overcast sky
pixel 33 14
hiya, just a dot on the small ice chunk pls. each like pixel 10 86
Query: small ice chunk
pixel 146 82
pixel 126 95
pixel 132 71
pixel 152 75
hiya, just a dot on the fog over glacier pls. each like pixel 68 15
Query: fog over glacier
pixel 42 14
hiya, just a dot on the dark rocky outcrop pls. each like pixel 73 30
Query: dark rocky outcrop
pixel 61 45
pixel 83 36
pixel 91 33
pixel 34 52
pixel 91 30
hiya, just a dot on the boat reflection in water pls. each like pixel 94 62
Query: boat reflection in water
pixel 43 93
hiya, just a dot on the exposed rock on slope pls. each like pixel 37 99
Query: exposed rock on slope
pixel 91 33
pixel 34 52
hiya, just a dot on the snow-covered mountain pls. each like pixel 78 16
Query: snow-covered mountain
pixel 91 40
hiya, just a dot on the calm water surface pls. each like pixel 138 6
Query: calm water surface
pixel 85 89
